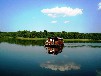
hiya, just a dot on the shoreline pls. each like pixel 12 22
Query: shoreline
pixel 20 38
pixel 65 40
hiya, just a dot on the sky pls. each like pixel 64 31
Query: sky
pixel 82 16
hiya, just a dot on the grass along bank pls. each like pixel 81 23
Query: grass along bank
pixel 65 40
pixel 78 40
pixel 21 38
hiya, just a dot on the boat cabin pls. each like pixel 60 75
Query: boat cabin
pixel 54 41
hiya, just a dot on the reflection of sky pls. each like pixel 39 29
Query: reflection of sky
pixel 61 67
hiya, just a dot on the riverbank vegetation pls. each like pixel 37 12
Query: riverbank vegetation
pixel 68 36
pixel 25 42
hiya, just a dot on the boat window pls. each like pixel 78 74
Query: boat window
pixel 50 39
pixel 47 41
pixel 56 39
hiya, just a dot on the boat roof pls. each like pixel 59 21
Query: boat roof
pixel 54 38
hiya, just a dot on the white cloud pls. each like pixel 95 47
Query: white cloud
pixel 52 15
pixel 62 11
pixel 66 22
pixel 60 67
pixel 53 21
pixel 99 6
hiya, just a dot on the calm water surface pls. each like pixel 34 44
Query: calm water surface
pixel 74 59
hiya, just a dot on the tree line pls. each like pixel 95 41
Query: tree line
pixel 46 34
pixel 23 42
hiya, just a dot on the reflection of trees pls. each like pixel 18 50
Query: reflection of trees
pixel 90 41
pixel 23 42
pixel 54 50
pixel 98 72
pixel 41 43
pixel 76 46
pixel 82 45
pixel 94 46
pixel 61 67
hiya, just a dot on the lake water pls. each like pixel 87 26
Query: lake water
pixel 74 59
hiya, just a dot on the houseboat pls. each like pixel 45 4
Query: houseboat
pixel 54 42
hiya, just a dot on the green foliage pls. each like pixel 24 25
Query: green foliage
pixel 45 34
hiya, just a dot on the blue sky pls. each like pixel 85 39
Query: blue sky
pixel 51 15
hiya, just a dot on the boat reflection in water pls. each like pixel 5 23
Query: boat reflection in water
pixel 54 45
pixel 54 50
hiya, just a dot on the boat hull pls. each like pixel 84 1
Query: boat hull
pixel 54 45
